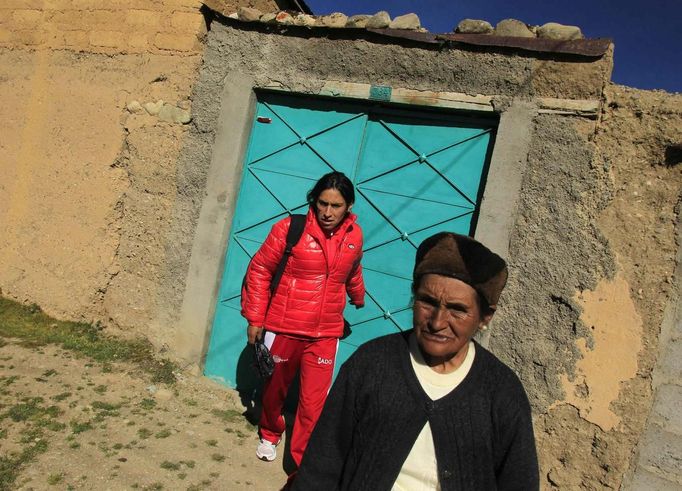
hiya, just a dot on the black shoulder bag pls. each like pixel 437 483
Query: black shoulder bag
pixel 263 361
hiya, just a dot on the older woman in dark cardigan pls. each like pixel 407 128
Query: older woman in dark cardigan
pixel 429 408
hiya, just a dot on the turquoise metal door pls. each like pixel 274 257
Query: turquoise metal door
pixel 415 174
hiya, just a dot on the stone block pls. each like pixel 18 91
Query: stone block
pixel 5 15
pixel 303 20
pixel 104 18
pixel 358 20
pixel 5 36
pixel 153 108
pixel 188 21
pixel 173 42
pixel 552 30
pixel 407 21
pixel 27 18
pixel 173 114
pixel 75 39
pixel 380 20
pixel 68 20
pixel 337 19
pixel 513 28
pixel 138 40
pixel 284 18
pixel 474 26
pixel 248 14
pixel 108 39
pixel 269 17
pixel 143 18
pixel 22 4
pixel 28 37
pixel 221 6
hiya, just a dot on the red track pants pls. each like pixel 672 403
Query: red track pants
pixel 315 358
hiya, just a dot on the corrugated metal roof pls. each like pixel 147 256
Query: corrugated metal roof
pixel 584 47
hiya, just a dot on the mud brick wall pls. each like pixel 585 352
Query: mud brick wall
pixel 98 26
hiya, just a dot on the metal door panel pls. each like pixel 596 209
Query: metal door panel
pixel 462 165
pixel 425 137
pixel 339 146
pixel 413 177
pixel 256 198
pixel 271 136
pixel 382 152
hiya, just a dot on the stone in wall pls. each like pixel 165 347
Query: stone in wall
pixel 304 20
pixel 474 26
pixel 513 28
pixel 380 20
pixel 407 21
pixel 336 20
pixel 552 30
pixel 248 14
pixel 359 21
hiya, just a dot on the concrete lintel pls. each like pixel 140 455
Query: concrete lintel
pixel 222 186
pixel 450 100
pixel 570 107
pixel 507 167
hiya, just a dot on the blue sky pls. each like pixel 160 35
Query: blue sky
pixel 647 34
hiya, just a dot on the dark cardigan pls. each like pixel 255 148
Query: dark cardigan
pixel 482 430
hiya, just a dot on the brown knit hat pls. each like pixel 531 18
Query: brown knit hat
pixel 463 258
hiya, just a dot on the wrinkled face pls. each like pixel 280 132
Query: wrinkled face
pixel 330 209
pixel 446 315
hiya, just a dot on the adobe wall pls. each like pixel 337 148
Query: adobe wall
pixel 88 180
pixel 113 212
pixel 580 317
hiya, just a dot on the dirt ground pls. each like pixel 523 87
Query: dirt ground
pixel 109 428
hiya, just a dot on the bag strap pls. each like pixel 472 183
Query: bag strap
pixel 296 226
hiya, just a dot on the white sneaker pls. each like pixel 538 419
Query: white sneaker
pixel 266 451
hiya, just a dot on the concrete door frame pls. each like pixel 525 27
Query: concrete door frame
pixel 237 105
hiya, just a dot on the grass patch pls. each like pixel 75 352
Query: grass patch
pixel 78 427
pixel 35 328
pixel 147 404
pixel 217 457
pixel 171 466
pixel 163 434
pixel 228 415
pixel 54 479
pixel 144 433
pixel 61 397
pixel 11 465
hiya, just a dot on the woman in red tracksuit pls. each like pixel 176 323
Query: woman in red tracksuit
pixel 304 319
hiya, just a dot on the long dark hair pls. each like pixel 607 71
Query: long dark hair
pixel 333 180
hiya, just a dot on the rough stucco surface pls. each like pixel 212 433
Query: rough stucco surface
pixel 598 209
pixel 555 250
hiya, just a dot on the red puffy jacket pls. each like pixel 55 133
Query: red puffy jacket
pixel 311 295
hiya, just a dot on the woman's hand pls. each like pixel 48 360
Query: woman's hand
pixel 253 333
